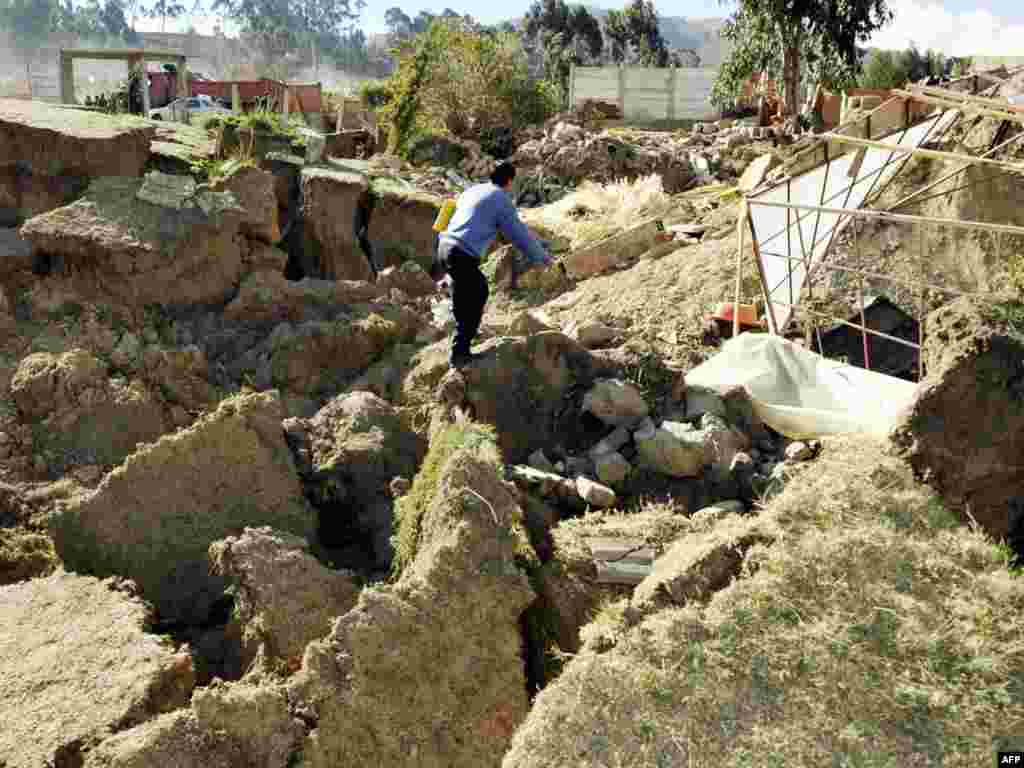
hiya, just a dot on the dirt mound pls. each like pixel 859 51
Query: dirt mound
pixel 426 671
pixel 284 597
pixel 401 224
pixel 25 551
pixel 330 203
pixel 153 518
pixel 381 697
pixel 318 357
pixel 176 739
pixel 48 154
pixel 569 152
pixel 895 657
pixel 964 432
pixel 117 244
pixel 530 388
pixel 348 454
pixel 76 663
pixel 256 193
pixel 85 417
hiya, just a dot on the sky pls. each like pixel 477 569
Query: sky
pixel 955 27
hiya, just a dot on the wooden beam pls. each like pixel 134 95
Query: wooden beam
pixel 928 187
pixel 900 217
pixel 932 153
pixel 946 93
pixel 889 278
pixel 971 109
pixel 120 54
pixel 895 339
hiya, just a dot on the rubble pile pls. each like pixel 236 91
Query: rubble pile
pixel 705 437
pixel 321 544
pixel 712 151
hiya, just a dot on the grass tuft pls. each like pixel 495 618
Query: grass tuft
pixel 410 509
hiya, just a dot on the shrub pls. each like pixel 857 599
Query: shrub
pixel 375 95
pixel 456 81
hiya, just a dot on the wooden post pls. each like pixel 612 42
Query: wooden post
pixel 183 86
pixel 622 90
pixel 673 80
pixel 741 227
pixel 285 107
pixel 920 321
pixel 144 85
pixel 67 78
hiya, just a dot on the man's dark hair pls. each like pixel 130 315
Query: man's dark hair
pixel 503 174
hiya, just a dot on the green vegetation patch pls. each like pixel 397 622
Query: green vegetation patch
pixel 411 508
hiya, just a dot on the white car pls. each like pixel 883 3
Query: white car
pixel 193 105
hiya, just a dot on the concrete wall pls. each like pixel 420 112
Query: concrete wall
pixel 646 93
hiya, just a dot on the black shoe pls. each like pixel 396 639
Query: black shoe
pixel 462 359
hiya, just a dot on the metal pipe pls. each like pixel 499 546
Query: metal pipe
pixel 951 174
pixel 894 339
pixel 901 217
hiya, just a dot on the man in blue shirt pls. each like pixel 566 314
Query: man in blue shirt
pixel 481 212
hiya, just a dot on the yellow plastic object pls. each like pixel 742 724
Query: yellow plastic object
pixel 444 216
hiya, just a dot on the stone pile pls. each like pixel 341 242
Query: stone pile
pixel 570 152
pixel 711 437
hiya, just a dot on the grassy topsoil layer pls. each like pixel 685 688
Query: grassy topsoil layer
pixel 875 632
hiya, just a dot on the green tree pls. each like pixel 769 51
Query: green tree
pixel 884 69
pixel 113 20
pixel 635 36
pixel 461 81
pixel 399 24
pixel 776 35
pixel 164 10
pixel 282 24
pixel 564 36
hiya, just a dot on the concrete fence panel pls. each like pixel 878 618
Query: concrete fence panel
pixel 648 93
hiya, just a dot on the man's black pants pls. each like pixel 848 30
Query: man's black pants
pixel 469 296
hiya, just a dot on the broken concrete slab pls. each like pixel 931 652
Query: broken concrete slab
pixel 285 598
pixel 756 172
pixel 613 251
pixel 76 661
pixel 698 565
pixel 153 518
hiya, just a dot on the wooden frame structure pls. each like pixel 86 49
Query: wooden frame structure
pixel 135 58
pixel 894 132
